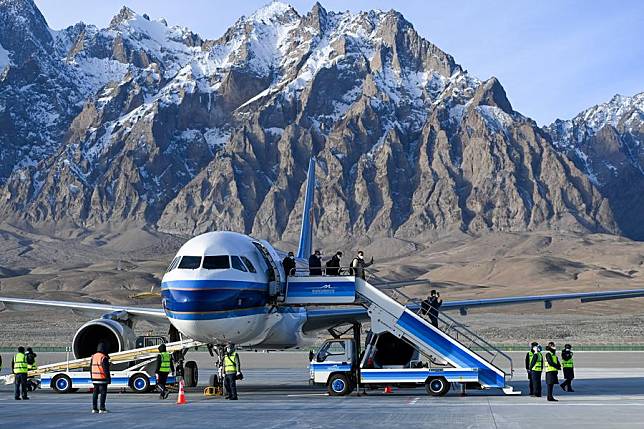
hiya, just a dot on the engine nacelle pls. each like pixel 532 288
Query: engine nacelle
pixel 115 335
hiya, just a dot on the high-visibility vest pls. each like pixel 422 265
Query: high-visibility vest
pixel 538 365
pixel 98 373
pixel 555 359
pixel 230 363
pixel 165 362
pixel 32 366
pixel 530 355
pixel 567 363
pixel 20 365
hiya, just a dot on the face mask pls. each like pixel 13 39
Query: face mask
pixel 292 257
pixel 229 349
pixel 360 257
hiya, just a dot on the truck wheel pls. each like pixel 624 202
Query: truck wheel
pixel 437 386
pixel 139 383
pixel 339 385
pixel 191 374
pixel 62 383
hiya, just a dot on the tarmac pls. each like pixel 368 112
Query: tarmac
pixel 275 393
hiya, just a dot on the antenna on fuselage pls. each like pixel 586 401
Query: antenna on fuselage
pixel 305 247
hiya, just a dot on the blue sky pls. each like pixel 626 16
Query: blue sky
pixel 554 57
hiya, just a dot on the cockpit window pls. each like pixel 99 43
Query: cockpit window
pixel 190 262
pixel 219 262
pixel 237 263
pixel 173 264
pixel 248 264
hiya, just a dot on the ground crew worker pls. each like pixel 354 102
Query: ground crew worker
pixel 32 385
pixel 358 265
pixel 568 368
pixel 536 367
pixel 528 360
pixel 163 368
pixel 315 264
pixel 232 371
pixel 100 370
pixel 333 264
pixel 20 368
pixel 289 264
pixel 552 368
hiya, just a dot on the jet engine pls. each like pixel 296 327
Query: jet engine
pixel 116 336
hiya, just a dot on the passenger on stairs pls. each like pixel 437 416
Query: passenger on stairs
pixel 358 265
pixel 333 265
pixel 289 264
pixel 435 303
pixel 315 264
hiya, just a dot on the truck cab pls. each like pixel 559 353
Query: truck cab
pixel 386 361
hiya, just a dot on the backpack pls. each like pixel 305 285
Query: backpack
pixel 30 358
pixel 352 271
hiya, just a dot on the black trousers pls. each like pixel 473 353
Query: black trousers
pixel 530 382
pixel 567 384
pixel 20 383
pixel 550 388
pixel 99 388
pixel 230 384
pixel 162 379
pixel 536 382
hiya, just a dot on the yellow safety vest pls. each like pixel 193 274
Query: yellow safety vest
pixel 20 364
pixel 165 362
pixel 567 363
pixel 538 365
pixel 555 359
pixel 230 363
pixel 530 355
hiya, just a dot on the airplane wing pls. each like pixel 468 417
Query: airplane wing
pixel 318 319
pixel 88 308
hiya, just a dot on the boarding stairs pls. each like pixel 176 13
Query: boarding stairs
pixel 118 357
pixel 451 342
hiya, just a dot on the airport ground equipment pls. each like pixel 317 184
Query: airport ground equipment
pixel 466 357
pixel 123 357
pixel 139 378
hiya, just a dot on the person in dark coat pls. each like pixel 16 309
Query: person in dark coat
pixel 358 265
pixel 289 264
pixel 528 360
pixel 434 305
pixel 552 369
pixel 333 264
pixel 568 368
pixel 315 264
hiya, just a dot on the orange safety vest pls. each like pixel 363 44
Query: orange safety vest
pixel 98 372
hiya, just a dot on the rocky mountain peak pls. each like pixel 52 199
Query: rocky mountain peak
pixel 124 15
pixel 163 129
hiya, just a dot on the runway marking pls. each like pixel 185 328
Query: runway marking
pixel 307 394
pixel 413 401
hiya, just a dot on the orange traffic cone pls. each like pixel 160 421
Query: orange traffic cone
pixel 181 399
pixel 388 389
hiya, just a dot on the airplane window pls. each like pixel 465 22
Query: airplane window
pixel 237 263
pixel 219 262
pixel 190 262
pixel 248 264
pixel 173 264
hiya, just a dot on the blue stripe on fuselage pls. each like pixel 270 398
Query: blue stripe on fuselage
pixel 208 296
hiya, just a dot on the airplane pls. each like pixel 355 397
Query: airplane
pixel 225 286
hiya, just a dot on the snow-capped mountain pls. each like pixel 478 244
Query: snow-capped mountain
pixel 163 128
pixel 607 143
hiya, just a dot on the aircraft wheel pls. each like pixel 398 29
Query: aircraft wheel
pixel 62 383
pixel 139 383
pixel 437 386
pixel 339 385
pixel 191 374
